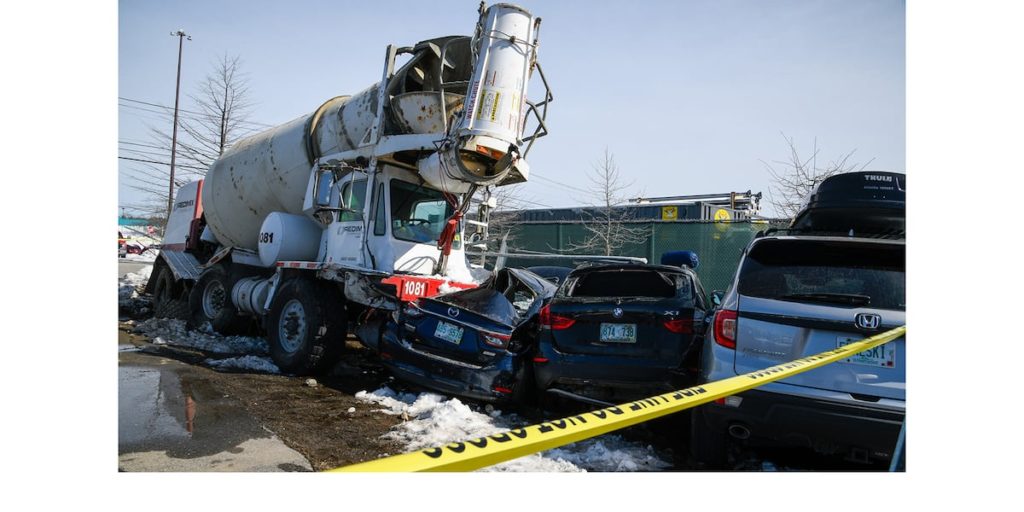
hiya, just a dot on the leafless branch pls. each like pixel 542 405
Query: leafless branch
pixel 795 178
pixel 223 108
pixel 607 227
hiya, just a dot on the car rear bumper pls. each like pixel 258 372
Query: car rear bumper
pixel 856 431
pixel 608 379
pixel 452 377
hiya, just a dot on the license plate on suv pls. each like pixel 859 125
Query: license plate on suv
pixel 618 333
pixel 448 332
pixel 883 356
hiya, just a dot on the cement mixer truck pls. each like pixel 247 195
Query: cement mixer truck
pixel 328 223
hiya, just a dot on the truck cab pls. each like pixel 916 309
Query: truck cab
pixel 389 223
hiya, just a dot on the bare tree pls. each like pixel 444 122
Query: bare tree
pixel 218 118
pixel 794 179
pixel 607 227
pixel 502 219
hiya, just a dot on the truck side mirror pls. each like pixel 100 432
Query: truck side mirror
pixel 716 298
pixel 324 184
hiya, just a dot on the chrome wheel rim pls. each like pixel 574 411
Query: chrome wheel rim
pixel 213 299
pixel 291 330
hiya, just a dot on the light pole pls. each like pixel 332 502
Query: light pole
pixel 174 133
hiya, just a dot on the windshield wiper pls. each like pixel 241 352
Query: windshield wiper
pixel 835 298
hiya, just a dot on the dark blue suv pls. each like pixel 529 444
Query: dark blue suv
pixel 614 333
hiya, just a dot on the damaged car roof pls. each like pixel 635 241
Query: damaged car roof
pixel 485 300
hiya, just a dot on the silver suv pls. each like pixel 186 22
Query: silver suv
pixel 796 295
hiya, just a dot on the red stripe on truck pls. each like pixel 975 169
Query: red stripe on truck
pixel 413 287
pixel 198 211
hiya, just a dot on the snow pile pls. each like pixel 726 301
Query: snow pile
pixel 436 420
pixel 446 288
pixel 174 332
pixel 129 288
pixel 468 273
pixel 244 363
pixel 147 256
pixel 137 279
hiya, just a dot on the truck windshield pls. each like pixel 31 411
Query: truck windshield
pixel 418 213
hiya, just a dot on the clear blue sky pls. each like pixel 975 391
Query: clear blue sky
pixel 688 95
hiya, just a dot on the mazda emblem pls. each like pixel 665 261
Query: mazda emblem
pixel 452 312
pixel 867 321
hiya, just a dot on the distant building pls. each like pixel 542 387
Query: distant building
pixel 704 207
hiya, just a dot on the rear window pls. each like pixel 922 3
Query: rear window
pixel 628 283
pixel 834 273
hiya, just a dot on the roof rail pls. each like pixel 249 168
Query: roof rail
pixel 891 234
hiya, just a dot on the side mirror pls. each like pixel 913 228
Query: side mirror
pixel 716 298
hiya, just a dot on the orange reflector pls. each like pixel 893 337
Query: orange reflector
pixel 493 153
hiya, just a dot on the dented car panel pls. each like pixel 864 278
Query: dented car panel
pixel 471 343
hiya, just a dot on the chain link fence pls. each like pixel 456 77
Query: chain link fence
pixel 717 244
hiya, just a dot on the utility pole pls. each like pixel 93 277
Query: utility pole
pixel 174 134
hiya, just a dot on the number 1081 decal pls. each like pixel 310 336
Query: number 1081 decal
pixel 414 288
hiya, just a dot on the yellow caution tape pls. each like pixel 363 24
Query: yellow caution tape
pixel 486 451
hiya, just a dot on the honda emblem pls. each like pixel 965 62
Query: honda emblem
pixel 867 321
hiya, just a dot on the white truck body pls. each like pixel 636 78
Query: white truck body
pixel 365 196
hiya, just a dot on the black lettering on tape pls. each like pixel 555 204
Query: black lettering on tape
pixel 544 428
pixel 433 453
pixel 652 401
pixel 582 419
pixel 635 406
pixel 687 392
pixel 457 447
pixel 559 423
pixel 519 432
pixel 479 443
pixel 571 421
pixel 600 414
pixel 700 390
pixel 615 410
pixel 678 395
pixel 501 438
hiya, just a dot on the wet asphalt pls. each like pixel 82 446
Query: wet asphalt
pixel 172 419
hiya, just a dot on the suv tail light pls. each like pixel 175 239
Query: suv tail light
pixel 495 339
pixel 553 321
pixel 725 328
pixel 679 325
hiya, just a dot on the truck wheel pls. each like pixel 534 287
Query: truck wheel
pixel 210 301
pixel 306 327
pixel 168 301
pixel 707 445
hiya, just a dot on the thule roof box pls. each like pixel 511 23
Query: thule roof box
pixel 858 202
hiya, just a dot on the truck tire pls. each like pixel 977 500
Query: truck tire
pixel 306 327
pixel 210 302
pixel 168 296
pixel 707 445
